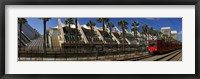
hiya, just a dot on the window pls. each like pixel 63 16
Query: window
pixel 152 43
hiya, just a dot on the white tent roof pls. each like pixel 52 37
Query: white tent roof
pixel 85 26
pixel 173 32
pixel 165 28
pixel 72 26
pixel 55 26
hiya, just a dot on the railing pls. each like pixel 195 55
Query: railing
pixel 76 52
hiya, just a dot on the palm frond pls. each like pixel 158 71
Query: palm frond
pixel 22 20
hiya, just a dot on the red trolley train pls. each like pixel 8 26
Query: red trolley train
pixel 162 46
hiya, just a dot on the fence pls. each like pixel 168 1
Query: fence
pixel 78 52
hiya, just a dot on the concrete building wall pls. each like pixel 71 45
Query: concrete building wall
pixel 174 35
pixel 29 31
pixel 166 31
pixel 28 34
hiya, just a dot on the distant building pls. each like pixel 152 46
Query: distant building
pixel 174 35
pixel 28 34
pixel 166 31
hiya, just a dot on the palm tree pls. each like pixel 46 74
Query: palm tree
pixel 151 32
pixel 134 29
pixel 45 20
pixel 110 25
pixel 69 21
pixel 123 25
pixel 91 24
pixel 159 34
pixel 21 21
pixel 155 32
pixel 76 22
pixel 103 21
pixel 145 30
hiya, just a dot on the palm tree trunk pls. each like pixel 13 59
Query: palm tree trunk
pixel 104 37
pixel 146 36
pixel 44 45
pixel 111 41
pixel 123 39
pixel 91 30
pixel 70 38
pixel 135 32
pixel 20 32
pixel 103 27
pixel 69 29
pixel 110 30
pixel 76 37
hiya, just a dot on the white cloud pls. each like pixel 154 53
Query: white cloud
pixel 153 18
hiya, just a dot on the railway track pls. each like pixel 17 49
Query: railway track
pixel 140 58
pixel 172 56
pixel 178 57
pixel 136 57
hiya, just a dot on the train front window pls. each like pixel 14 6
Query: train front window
pixel 152 43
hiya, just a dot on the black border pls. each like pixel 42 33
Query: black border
pixel 98 2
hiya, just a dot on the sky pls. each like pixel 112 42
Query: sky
pixel 156 23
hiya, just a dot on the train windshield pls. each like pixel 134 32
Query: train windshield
pixel 152 43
